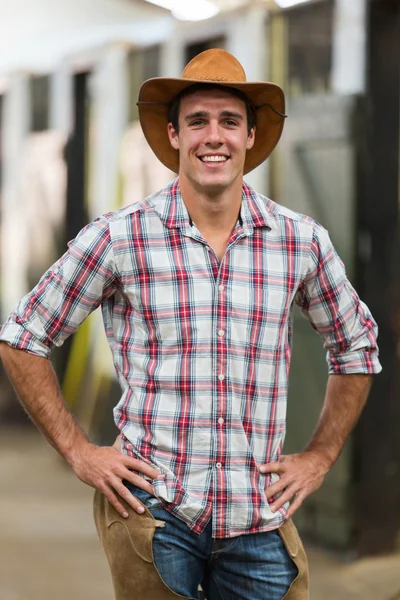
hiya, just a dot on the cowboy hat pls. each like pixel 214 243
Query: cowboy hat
pixel 215 66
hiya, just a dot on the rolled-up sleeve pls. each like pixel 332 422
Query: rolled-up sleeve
pixel 66 294
pixel 328 300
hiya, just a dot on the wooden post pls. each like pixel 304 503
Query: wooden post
pixel 76 151
pixel 377 438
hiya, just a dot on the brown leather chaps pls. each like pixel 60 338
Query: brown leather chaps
pixel 128 547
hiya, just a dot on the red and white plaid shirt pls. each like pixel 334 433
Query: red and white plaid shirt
pixel 202 348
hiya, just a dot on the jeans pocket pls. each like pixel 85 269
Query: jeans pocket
pixel 148 500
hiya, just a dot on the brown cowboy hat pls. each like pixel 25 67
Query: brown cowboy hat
pixel 214 66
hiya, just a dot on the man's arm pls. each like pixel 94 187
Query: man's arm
pixel 104 468
pixel 83 278
pixel 302 474
pixel 328 300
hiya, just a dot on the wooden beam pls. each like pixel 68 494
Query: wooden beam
pixel 377 438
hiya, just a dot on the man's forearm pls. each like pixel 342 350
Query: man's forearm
pixel 301 474
pixel 344 400
pixel 103 468
pixel 37 387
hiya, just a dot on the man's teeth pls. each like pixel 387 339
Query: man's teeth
pixel 214 158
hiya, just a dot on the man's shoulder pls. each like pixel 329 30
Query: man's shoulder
pixel 282 214
pixel 140 206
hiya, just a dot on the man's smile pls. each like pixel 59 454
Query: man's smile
pixel 213 160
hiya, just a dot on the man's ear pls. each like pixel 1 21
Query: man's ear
pixel 251 138
pixel 173 136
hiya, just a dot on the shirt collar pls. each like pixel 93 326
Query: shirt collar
pixel 172 211
pixel 255 210
pixel 170 207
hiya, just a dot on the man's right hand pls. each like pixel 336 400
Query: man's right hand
pixel 105 468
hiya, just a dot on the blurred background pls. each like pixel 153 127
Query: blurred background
pixel 71 148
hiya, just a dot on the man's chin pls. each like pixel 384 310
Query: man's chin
pixel 215 185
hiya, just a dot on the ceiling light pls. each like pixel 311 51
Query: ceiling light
pixel 288 3
pixel 189 11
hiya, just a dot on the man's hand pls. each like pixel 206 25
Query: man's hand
pixel 300 475
pixel 104 468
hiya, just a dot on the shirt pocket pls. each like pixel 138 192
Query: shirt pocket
pixel 259 315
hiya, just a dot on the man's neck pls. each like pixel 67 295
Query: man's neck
pixel 212 213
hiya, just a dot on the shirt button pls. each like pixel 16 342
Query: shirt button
pixel 221 333
pixel 221 377
pixel 221 288
pixel 218 465
pixel 220 420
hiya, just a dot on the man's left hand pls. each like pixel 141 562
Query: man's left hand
pixel 300 475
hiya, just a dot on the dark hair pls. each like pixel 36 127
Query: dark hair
pixel 174 107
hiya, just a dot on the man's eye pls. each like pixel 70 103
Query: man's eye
pixel 230 123
pixel 197 122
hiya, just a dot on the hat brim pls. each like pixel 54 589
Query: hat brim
pixel 156 94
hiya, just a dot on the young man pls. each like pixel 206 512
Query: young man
pixel 197 283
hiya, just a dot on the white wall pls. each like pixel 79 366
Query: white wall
pixel 349 47
pixel 61 100
pixel 13 247
pixel 110 97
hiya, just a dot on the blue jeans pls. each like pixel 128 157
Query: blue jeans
pixel 247 567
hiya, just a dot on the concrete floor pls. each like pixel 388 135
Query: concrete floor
pixel 49 548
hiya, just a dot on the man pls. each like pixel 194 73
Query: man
pixel 197 284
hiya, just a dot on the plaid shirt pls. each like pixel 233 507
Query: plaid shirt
pixel 202 348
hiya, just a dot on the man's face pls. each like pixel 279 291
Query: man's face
pixel 212 139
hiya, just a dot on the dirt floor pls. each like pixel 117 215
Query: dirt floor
pixel 49 548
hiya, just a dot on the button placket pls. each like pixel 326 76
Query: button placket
pixel 220 372
pixel 221 336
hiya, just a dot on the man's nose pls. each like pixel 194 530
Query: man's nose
pixel 214 134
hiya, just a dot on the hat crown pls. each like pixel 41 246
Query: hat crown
pixel 215 65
